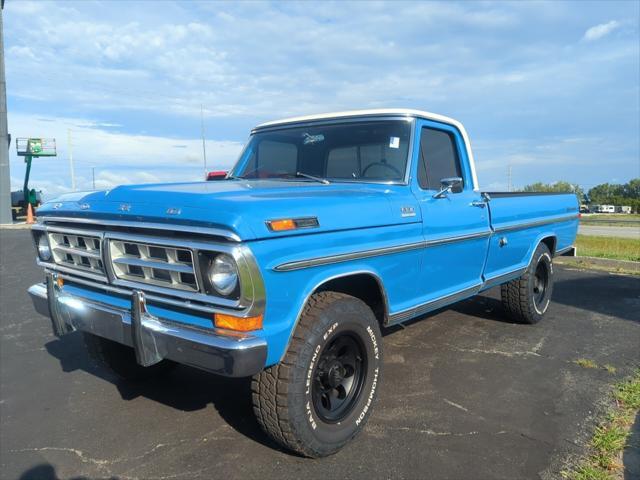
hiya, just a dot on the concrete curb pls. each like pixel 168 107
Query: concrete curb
pixel 15 226
pixel 601 264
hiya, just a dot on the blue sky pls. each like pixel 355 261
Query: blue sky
pixel 550 88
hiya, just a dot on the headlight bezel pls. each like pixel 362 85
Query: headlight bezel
pixel 42 245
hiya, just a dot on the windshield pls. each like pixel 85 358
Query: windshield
pixel 371 151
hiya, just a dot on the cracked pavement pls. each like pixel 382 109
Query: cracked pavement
pixel 464 394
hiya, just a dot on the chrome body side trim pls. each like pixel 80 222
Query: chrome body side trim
pixel 153 338
pixel 537 223
pixel 434 304
pixel 345 257
pixel 502 278
pixel 375 252
pixel 459 238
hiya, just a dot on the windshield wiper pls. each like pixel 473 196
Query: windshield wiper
pixel 311 177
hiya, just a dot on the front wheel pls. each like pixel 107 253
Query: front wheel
pixel 527 298
pixel 321 395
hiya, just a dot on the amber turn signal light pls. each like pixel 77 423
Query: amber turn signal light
pixel 239 324
pixel 282 225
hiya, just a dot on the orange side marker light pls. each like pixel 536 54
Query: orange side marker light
pixel 239 324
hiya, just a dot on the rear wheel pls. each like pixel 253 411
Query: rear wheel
pixel 321 395
pixel 121 359
pixel 527 298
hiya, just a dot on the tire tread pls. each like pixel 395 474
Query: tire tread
pixel 270 387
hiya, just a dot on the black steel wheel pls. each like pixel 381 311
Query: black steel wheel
pixel 526 299
pixel 319 397
pixel 541 284
pixel 339 377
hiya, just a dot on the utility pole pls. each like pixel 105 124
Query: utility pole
pixel 70 155
pixel 5 174
pixel 204 148
pixel 509 177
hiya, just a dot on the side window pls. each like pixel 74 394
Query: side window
pixel 438 158
pixel 277 157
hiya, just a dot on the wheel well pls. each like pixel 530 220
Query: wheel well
pixel 364 286
pixel 550 242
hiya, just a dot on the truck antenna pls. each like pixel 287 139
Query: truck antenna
pixel 204 148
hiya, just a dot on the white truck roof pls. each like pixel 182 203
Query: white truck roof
pixel 408 112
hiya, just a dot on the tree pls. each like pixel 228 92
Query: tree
pixel 560 186
pixel 617 194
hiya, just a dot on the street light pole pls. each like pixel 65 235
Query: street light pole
pixel 5 174
pixel 70 155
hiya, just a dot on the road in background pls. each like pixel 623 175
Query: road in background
pixel 464 394
pixel 622 232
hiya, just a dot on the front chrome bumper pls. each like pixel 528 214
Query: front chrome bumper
pixel 152 338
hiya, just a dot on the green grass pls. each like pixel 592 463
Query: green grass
pixel 608 247
pixel 610 437
pixel 629 217
pixel 630 220
pixel 586 363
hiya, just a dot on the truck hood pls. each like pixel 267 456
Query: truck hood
pixel 242 207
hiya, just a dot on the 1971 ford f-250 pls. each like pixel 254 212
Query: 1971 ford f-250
pixel 327 229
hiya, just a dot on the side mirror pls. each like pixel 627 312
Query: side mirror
pixel 449 185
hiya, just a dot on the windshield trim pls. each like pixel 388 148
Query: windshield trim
pixel 337 121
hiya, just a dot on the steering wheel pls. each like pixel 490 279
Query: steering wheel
pixel 381 164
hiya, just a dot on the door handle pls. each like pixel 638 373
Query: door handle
pixel 478 203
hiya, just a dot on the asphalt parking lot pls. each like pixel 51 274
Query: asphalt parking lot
pixel 465 395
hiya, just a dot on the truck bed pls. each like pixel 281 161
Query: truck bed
pixel 520 220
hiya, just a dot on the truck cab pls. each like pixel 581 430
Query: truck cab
pixel 328 229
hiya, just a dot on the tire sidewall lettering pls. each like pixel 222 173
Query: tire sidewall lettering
pixel 360 412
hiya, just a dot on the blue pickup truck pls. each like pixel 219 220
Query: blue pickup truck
pixel 328 229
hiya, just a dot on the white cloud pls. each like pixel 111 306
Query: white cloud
pixel 117 158
pixel 506 69
pixel 602 30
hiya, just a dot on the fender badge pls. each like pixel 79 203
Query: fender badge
pixel 56 206
pixel 407 211
pixel 124 207
pixel 173 211
pixel 85 206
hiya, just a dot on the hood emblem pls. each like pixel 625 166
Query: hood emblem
pixel 173 211
pixel 124 207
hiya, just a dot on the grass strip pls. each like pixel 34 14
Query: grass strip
pixel 610 437
pixel 608 247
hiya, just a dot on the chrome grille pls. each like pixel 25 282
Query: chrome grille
pixel 78 251
pixel 160 265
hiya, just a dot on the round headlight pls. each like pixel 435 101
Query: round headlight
pixel 44 251
pixel 223 274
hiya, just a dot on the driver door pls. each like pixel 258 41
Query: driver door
pixel 456 223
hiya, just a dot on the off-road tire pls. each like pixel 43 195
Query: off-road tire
pixel 522 298
pixel 121 359
pixel 283 395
